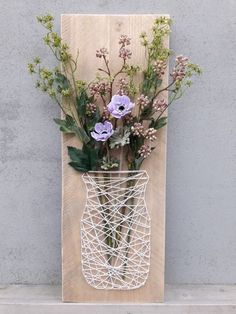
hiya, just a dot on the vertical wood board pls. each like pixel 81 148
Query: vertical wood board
pixel 89 33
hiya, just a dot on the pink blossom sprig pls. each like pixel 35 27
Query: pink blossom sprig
pixel 105 114
pixel 124 40
pixel 137 129
pixel 178 74
pixel 124 52
pixel 101 88
pixel 143 101
pixel 179 70
pixel 123 85
pixel 101 53
pixel 159 68
pixel 159 105
pixel 144 151
pixel 150 134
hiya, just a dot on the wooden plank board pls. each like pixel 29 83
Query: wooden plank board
pixel 88 33
pixel 182 299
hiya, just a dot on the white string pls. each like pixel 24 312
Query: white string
pixel 115 230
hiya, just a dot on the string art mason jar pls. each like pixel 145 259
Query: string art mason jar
pixel 115 230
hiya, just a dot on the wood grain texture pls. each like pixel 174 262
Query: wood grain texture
pixel 88 33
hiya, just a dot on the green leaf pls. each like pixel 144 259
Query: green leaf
pixel 76 154
pixel 138 162
pixel 92 154
pixel 111 164
pixel 62 80
pixel 81 102
pixel 150 83
pixel 120 137
pixel 135 143
pixel 146 112
pixel 77 167
pixel 84 159
pixel 79 160
pixel 82 135
pixel 70 120
pixel 66 126
pixel 69 126
pixel 158 123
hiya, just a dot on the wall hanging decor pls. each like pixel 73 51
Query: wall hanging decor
pixel 112 84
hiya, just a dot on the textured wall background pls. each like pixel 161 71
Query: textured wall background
pixel 201 194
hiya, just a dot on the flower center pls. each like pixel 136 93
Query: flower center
pixel 104 132
pixel 121 107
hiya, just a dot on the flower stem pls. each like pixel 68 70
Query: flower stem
pixel 108 152
pixel 128 238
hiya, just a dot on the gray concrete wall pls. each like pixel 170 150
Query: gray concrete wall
pixel 201 194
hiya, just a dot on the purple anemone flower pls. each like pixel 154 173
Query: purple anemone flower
pixel 102 131
pixel 120 105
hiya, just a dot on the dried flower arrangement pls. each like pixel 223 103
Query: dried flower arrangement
pixel 125 127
